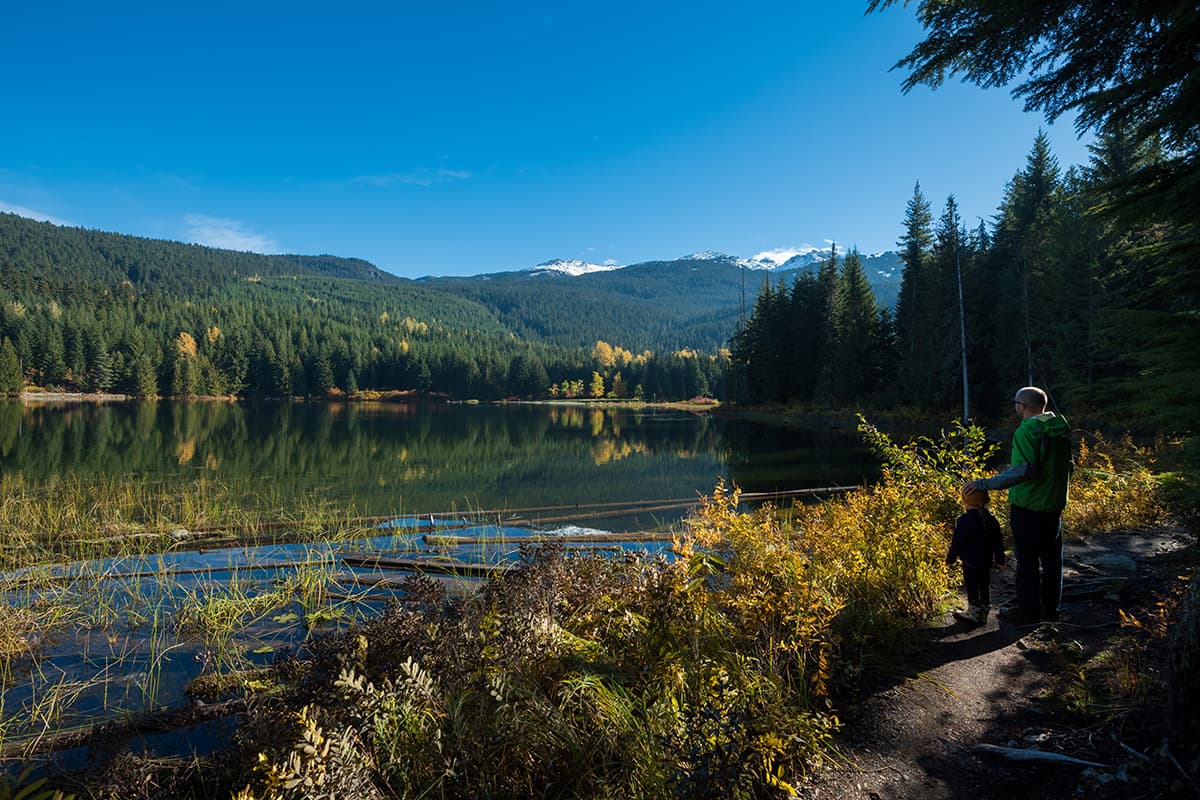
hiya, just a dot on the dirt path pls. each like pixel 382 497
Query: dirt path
pixel 1001 685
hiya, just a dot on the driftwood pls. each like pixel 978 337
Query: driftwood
pixel 1021 754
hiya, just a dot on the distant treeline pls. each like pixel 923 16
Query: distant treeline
pixel 1053 294
pixel 90 311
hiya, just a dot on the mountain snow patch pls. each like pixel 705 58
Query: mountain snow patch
pixel 574 268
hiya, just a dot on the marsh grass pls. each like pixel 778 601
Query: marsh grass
pixel 76 586
pixel 69 519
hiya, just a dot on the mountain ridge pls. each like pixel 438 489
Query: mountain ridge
pixel 693 302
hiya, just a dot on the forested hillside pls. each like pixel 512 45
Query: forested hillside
pixel 656 305
pixel 690 303
pixel 85 310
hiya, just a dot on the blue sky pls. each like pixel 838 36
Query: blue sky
pixel 458 138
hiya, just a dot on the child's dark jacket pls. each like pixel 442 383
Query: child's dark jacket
pixel 977 540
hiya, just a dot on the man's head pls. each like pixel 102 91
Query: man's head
pixel 1029 402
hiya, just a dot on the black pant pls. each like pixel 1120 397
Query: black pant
pixel 977 581
pixel 1038 541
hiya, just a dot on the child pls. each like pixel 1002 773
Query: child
pixel 978 544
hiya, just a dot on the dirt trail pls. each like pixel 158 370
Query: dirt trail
pixel 994 685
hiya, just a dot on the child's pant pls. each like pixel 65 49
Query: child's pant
pixel 977 581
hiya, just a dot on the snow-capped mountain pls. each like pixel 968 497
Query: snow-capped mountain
pixel 883 269
pixel 574 268
pixel 783 258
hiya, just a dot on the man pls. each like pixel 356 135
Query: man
pixel 1037 494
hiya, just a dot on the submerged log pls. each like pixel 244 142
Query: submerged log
pixel 422 565
pixel 151 722
pixel 640 536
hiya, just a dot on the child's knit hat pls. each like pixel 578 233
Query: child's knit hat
pixel 974 497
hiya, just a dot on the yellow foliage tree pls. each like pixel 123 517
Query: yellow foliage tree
pixel 603 354
pixel 185 345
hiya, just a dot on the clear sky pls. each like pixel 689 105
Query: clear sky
pixel 456 138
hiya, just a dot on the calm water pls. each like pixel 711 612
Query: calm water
pixel 379 459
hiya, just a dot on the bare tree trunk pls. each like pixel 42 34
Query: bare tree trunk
pixel 1025 309
pixel 962 331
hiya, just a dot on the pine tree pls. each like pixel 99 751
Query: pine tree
pixel 914 307
pixel 857 344
pixel 321 373
pixel 805 327
pixel 52 354
pixel 100 370
pixel 145 377
pixel 1124 64
pixel 1022 265
pixel 826 317
pixel 11 380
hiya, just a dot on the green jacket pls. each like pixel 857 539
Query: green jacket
pixel 1041 464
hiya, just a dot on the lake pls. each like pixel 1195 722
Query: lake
pixel 372 459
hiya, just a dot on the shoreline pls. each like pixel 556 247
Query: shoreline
pixel 71 397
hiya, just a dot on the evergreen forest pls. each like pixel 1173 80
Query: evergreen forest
pixel 1053 292
pixel 90 311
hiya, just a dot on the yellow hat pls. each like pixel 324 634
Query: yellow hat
pixel 974 497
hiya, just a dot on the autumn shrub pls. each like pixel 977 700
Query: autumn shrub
pixel 880 549
pixel 1114 488
pixel 703 676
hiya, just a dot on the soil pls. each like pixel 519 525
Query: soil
pixel 1017 687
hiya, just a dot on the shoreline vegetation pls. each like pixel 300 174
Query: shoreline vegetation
pixel 720 670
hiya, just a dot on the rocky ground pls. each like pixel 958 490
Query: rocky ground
pixel 932 732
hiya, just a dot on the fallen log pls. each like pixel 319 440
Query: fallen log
pixel 1021 754
pixel 421 565
pixel 640 536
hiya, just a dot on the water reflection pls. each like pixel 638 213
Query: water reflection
pixel 385 458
